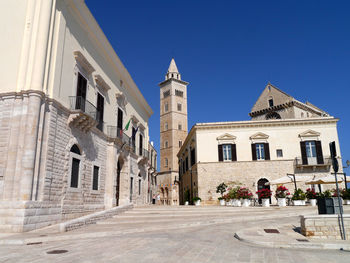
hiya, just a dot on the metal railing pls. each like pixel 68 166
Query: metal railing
pixel 79 103
pixel 115 132
pixel 298 161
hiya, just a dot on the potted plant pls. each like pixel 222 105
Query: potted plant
pixel 327 204
pixel 221 188
pixel 234 197
pixel 265 195
pixel 281 194
pixel 299 197
pixel 245 194
pixel 197 201
pixel 311 195
pixel 187 197
pixel 345 194
pixel 227 199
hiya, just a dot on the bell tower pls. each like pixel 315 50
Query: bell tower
pixel 173 127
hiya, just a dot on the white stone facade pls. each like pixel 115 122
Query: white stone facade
pixel 42 120
pixel 251 153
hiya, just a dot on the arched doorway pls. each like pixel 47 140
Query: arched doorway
pixel 261 185
pixel 117 185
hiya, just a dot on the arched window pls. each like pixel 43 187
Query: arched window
pixel 166 162
pixel 75 166
pixel 166 144
pixel 273 115
pixel 166 126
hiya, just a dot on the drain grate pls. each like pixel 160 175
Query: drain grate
pixel 302 240
pixel 57 251
pixel 34 243
pixel 271 231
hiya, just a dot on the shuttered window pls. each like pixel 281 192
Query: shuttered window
pixel 227 152
pixel 95 178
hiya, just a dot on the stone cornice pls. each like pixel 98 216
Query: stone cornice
pixel 172 79
pixel 82 14
pixel 83 62
pixel 101 83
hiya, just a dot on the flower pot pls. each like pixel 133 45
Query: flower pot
pixel 228 203
pixel 346 201
pixel 312 202
pixel 222 202
pixel 281 202
pixel 246 202
pixel 298 202
pixel 197 203
pixel 186 202
pixel 236 202
pixel 265 202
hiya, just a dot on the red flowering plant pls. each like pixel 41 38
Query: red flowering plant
pixel 264 193
pixel 226 197
pixel 244 193
pixel 282 192
pixel 311 194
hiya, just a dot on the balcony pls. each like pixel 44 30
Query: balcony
pixel 325 164
pixel 84 114
pixel 118 133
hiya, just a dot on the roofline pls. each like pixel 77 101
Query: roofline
pixel 101 42
pixel 176 80
pixel 257 123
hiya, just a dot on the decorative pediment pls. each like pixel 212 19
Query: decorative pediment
pixel 226 137
pixel 141 127
pixel 83 62
pixel 134 119
pixel 258 136
pixel 309 133
pixel 101 83
pixel 121 99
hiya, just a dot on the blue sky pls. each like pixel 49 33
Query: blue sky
pixel 229 51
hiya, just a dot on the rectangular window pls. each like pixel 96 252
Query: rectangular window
pixel 260 152
pixel 179 107
pixel 95 178
pixel 141 145
pixel 180 144
pixel 166 145
pixel 75 173
pixel 100 110
pixel 166 162
pixel 179 93
pixel 166 93
pixel 279 153
pixel 179 127
pixel 166 107
pixel 120 123
pixel 226 148
pixel 139 186
pixel 270 102
pixel 81 92
pixel 193 156
pixel 310 148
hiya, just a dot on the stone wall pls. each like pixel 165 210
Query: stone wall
pixel 324 226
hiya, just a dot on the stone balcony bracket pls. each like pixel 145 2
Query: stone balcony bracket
pixel 81 120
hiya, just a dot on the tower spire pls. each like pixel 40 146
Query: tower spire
pixel 173 71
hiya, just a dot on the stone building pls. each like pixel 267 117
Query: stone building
pixel 74 135
pixel 173 131
pixel 285 136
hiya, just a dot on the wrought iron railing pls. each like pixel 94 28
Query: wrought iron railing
pixel 79 103
pixel 298 162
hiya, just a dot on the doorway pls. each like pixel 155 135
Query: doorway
pixel 117 185
pixel 261 185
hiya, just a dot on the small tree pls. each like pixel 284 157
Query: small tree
pixel 221 188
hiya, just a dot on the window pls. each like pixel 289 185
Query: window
pixel 95 177
pixel 260 152
pixel 180 144
pixel 166 144
pixel 179 93
pixel 166 162
pixel 270 102
pixel 279 153
pixel 166 126
pixel 140 144
pixel 75 166
pixel 166 93
pixel 166 107
pixel 302 115
pixel 81 92
pixel 179 107
pixel 179 127
pixel 226 148
pixel 310 149
pixel 193 156
pixel 186 163
pixel 120 123
pixel 139 186
pixel 100 109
